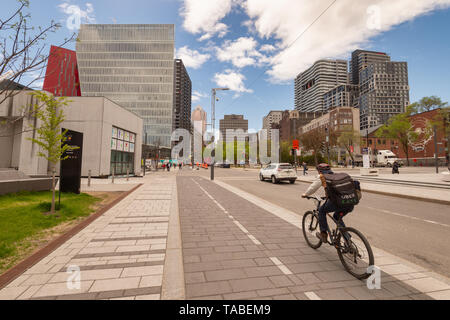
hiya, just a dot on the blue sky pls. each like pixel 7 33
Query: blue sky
pixel 250 45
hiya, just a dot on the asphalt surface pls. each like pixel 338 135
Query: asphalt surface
pixel 414 230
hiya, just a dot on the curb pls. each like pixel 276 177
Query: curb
pixel 398 195
pixel 23 266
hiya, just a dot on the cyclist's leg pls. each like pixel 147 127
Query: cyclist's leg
pixel 323 210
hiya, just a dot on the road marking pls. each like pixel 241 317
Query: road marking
pixel 408 217
pixel 312 296
pixel 237 223
pixel 280 265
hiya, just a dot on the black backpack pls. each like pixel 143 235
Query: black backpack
pixel 342 190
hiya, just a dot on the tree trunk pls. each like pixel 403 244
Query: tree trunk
pixel 52 209
pixel 407 155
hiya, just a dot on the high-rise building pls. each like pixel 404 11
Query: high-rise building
pixel 133 65
pixel 361 60
pixel 273 117
pixel 182 97
pixel 61 76
pixel 344 95
pixel 199 115
pixel 313 83
pixel 233 122
pixel 384 92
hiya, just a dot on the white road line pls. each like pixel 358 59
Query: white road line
pixel 408 217
pixel 255 241
pixel 280 265
pixel 237 223
pixel 240 226
pixel 312 296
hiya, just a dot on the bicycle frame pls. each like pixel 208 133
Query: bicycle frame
pixel 332 235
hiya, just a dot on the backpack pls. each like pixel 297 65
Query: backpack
pixel 342 190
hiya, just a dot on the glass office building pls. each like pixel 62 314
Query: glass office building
pixel 133 65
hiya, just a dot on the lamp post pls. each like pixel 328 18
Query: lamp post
pixel 213 123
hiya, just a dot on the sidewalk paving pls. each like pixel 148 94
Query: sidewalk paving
pixel 120 255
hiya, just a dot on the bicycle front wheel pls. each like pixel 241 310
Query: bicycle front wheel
pixel 354 252
pixel 310 225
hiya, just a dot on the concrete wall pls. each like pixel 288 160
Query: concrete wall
pixel 95 117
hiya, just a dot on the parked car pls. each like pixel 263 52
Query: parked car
pixel 277 172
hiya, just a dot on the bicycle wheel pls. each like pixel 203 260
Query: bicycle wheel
pixel 354 252
pixel 310 225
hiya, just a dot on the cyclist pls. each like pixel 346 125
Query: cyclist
pixel 328 206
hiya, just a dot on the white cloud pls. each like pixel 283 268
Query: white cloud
pixel 347 25
pixel 77 16
pixel 267 48
pixel 197 96
pixel 191 58
pixel 233 80
pixel 203 16
pixel 241 53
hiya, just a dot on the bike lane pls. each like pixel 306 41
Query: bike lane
pixel 234 249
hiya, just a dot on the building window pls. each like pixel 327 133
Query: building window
pixel 122 151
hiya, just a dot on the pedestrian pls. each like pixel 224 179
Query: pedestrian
pixel 395 168
pixel 305 168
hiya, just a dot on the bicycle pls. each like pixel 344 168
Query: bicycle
pixel 349 242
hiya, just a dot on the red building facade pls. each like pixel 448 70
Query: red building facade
pixel 61 76
pixel 420 152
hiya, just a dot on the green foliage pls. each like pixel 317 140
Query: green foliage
pixel 21 217
pixel 310 160
pixel 400 127
pixel 427 104
pixel 49 111
pixel 348 138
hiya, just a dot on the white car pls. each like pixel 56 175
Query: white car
pixel 277 172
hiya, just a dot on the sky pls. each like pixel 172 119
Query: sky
pixel 258 47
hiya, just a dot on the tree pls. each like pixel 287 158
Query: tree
pixel 313 141
pixel 49 137
pixel 400 127
pixel 349 138
pixel 441 121
pixel 22 49
pixel 428 104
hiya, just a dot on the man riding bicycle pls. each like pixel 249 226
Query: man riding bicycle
pixel 328 206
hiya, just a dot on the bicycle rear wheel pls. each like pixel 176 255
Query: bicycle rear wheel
pixel 310 225
pixel 355 252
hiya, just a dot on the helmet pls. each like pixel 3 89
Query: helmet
pixel 323 167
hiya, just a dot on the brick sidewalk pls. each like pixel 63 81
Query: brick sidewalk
pixel 120 255
pixel 233 249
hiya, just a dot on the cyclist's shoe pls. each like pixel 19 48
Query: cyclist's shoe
pixel 322 236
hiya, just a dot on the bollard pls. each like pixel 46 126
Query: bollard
pixel 113 174
pixel 128 174
pixel 89 178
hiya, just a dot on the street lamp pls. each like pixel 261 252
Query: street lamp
pixel 213 122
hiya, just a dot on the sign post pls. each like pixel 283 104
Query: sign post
pixel 70 169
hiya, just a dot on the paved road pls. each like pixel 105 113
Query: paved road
pixel 414 230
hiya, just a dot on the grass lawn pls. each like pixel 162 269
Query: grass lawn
pixel 23 224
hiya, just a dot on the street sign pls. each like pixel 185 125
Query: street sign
pixel 351 149
pixel 295 145
pixel 70 169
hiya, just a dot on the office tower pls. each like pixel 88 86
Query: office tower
pixel 313 83
pixel 384 92
pixel 233 122
pixel 132 65
pixel 361 59
pixel 272 118
pixel 199 115
pixel 182 97
pixel 61 76
pixel 344 95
